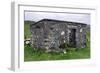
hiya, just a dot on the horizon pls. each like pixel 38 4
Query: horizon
pixel 53 19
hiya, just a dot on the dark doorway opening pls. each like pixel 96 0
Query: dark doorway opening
pixel 72 38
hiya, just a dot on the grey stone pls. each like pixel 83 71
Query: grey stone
pixel 49 34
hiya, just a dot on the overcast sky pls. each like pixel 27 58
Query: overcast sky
pixel 36 16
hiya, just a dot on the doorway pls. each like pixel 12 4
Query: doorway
pixel 72 38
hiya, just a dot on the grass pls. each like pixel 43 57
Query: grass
pixel 34 55
pixel 27 32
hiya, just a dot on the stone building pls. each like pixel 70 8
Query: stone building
pixel 51 34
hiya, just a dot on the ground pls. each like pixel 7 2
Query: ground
pixel 35 55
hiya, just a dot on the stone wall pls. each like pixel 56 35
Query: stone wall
pixel 51 34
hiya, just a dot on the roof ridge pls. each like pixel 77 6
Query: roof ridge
pixel 58 21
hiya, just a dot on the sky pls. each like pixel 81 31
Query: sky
pixel 74 17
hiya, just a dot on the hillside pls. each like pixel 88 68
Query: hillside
pixel 27 32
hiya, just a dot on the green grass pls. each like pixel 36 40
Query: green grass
pixel 34 55
pixel 27 32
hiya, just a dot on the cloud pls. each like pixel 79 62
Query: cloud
pixel 36 16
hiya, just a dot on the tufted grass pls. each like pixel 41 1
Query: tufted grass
pixel 32 55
